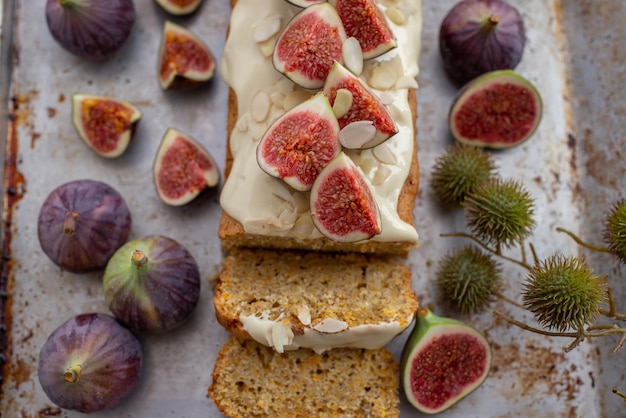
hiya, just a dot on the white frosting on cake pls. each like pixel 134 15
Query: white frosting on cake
pixel 321 336
pixel 265 205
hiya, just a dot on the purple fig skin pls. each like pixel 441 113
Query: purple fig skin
pixel 90 363
pixel 91 29
pixel 81 224
pixel 152 284
pixel 478 36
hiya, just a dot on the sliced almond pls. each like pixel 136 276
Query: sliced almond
pixel 267 27
pixel 352 55
pixel 330 326
pixel 343 102
pixel 384 154
pixel 395 15
pixel 387 97
pixel 381 175
pixel 304 314
pixel 356 134
pixel 285 86
pixel 260 106
pixel 257 130
pixel 282 336
pixel 267 47
pixel 406 82
pixel 368 164
pixel 304 228
pixel 382 77
pixel 295 98
pixel 242 123
pixel 277 98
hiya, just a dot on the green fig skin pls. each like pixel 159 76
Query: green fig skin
pixel 473 355
pixel 152 284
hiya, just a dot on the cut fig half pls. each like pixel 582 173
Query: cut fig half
pixel 299 144
pixel 365 106
pixel 184 60
pixel 443 361
pixel 499 109
pixel 183 169
pixel 179 7
pixel 365 21
pixel 343 207
pixel 309 44
pixel 305 3
pixel 107 125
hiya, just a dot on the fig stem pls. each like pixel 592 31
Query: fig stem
pixel 69 226
pixel 139 259
pixel 72 373
pixel 583 243
pixel 491 22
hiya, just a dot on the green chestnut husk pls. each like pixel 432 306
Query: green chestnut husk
pixel 443 361
pixel 152 284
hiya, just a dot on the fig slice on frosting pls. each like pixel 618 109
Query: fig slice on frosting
pixel 365 106
pixel 309 44
pixel 300 143
pixel 342 204
pixel 365 21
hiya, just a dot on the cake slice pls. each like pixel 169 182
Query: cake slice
pixel 252 380
pixel 300 299
pixel 262 211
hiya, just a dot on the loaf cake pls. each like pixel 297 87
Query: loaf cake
pixel 289 299
pixel 252 380
pixel 262 211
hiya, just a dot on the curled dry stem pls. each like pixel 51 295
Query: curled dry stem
pixel 583 243
pixel 619 393
pixel 497 252
pixel 578 335
pixel 612 313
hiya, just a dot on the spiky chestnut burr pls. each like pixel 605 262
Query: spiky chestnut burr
pixel 615 230
pixel 468 278
pixel 500 212
pixel 459 171
pixel 563 292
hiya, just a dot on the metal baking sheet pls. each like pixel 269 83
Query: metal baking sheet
pixel 573 166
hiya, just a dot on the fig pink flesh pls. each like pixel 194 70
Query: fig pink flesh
pixel 182 169
pixel 300 146
pixel 310 35
pixel 444 367
pixel 501 113
pixel 364 107
pixel 104 121
pixel 344 204
pixel 363 20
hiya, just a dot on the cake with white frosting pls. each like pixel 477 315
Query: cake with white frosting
pixel 262 211
pixel 300 299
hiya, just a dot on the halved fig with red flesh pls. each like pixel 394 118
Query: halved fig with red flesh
pixel 443 361
pixel 343 207
pixel 363 20
pixel 105 124
pixel 309 44
pixel 365 106
pixel 179 7
pixel 499 109
pixel 184 60
pixel 299 144
pixel 183 169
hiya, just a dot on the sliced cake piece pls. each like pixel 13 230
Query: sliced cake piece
pixel 252 380
pixel 292 299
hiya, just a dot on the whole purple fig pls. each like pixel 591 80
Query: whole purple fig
pixel 478 36
pixel 81 224
pixel 152 284
pixel 90 363
pixel 90 29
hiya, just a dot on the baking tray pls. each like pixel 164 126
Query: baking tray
pixel 573 166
